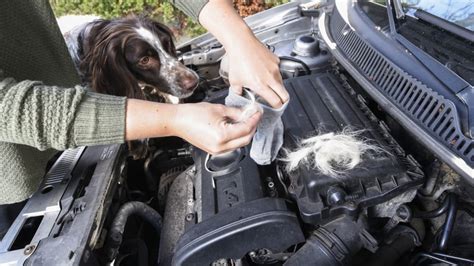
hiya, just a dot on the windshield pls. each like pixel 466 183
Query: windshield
pixel 459 12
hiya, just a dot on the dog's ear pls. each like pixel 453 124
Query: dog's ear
pixel 106 67
pixel 110 74
pixel 165 35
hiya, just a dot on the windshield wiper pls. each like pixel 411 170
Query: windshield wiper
pixel 445 25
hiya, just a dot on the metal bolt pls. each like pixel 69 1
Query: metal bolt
pixel 336 195
pixel 189 217
pixel 29 249
pixel 404 212
pixel 271 184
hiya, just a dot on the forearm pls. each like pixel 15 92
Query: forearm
pixel 147 119
pixel 221 19
pixel 251 64
pixel 47 117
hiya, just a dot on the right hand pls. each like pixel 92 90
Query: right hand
pixel 213 127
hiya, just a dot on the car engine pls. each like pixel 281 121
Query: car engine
pixel 412 204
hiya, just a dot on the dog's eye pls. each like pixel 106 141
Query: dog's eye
pixel 144 60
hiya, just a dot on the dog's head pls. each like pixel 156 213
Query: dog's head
pixel 121 56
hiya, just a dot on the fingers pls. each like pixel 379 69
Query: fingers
pixel 235 135
pixel 242 129
pixel 233 113
pixel 280 90
pixel 239 142
pixel 270 96
pixel 236 89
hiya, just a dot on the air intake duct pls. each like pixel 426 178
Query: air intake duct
pixel 332 244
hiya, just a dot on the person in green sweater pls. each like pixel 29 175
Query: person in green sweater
pixel 42 110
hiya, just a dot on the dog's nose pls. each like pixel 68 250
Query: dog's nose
pixel 190 83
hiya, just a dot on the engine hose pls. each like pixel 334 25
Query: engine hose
pixel 150 176
pixel 389 255
pixel 449 223
pixel 117 228
pixel 296 60
pixel 433 213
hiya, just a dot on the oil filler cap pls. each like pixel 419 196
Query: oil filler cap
pixel 225 161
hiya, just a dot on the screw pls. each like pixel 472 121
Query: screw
pixel 404 212
pixel 189 217
pixel 271 184
pixel 29 249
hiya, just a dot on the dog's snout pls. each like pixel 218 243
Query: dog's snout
pixel 189 82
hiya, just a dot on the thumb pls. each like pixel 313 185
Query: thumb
pixel 233 113
pixel 236 89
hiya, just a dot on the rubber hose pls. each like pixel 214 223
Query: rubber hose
pixel 449 223
pixel 433 213
pixel 296 60
pixel 388 255
pixel 117 228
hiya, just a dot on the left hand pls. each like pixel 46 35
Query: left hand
pixel 253 66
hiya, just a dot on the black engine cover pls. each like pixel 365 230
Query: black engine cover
pixel 232 214
pixel 321 104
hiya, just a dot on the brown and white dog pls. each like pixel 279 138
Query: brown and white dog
pixel 133 57
pixel 123 56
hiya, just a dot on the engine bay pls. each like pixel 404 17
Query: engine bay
pixel 182 206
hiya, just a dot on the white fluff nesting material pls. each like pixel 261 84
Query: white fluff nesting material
pixel 332 153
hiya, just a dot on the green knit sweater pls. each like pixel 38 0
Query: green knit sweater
pixel 39 117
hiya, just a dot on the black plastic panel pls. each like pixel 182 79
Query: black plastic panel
pixel 236 231
pixel 83 207
pixel 232 214
pixel 321 104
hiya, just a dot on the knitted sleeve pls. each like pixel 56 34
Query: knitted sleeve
pixel 46 117
pixel 191 8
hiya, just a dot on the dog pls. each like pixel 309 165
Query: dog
pixel 132 56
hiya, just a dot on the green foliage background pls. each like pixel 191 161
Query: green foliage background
pixel 161 10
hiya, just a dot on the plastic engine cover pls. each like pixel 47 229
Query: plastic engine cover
pixel 321 104
pixel 232 214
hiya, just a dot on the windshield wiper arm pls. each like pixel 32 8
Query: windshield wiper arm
pixel 445 25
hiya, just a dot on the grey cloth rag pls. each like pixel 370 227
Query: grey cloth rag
pixel 268 138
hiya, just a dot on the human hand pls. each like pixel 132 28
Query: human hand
pixel 214 127
pixel 253 66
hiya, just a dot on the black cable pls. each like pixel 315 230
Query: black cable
pixel 296 60
pixel 117 228
pixel 433 213
pixel 449 223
